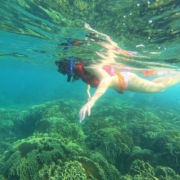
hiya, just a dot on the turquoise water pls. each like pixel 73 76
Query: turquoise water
pixel 34 96
pixel 31 32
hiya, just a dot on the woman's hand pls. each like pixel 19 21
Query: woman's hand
pixel 86 108
pixel 105 82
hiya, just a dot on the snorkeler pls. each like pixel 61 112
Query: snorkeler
pixel 103 76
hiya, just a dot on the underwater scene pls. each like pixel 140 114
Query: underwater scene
pixel 90 90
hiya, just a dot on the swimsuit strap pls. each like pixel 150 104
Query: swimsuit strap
pixel 122 82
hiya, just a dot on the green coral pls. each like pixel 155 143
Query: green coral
pixel 61 126
pixel 97 166
pixel 26 157
pixel 167 148
pixel 164 173
pixel 113 143
pixel 72 169
pixel 12 123
pixel 67 171
pixel 81 5
pixel 63 108
pixel 20 167
pixel 23 3
pixel 130 141
pixel 141 169
pixel 141 154
pixel 45 156
pixel 1 177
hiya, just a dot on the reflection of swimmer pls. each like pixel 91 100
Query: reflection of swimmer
pixel 103 77
pixel 173 60
pixel 109 44
pixel 94 37
pixel 67 45
pixel 71 43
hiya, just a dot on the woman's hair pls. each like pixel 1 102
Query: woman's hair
pixel 64 67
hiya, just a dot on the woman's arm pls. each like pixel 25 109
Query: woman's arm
pixel 105 82
pixel 88 92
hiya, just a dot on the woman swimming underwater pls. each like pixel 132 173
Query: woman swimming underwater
pixel 103 76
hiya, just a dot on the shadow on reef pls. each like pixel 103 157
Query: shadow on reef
pixel 46 142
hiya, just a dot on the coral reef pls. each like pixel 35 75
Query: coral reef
pixel 49 117
pixel 142 169
pixel 71 131
pixel 127 144
pixel 44 157
pixel 11 126
pixel 26 157
pixel 168 148
pixel 81 5
pixel 114 144
pixel 141 154
pixel 165 173
pixel 73 169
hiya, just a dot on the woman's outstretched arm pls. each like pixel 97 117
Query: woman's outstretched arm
pixel 105 82
pixel 88 92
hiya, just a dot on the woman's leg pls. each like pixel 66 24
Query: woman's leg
pixel 138 84
pixel 169 80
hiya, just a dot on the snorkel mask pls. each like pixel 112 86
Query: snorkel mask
pixel 71 64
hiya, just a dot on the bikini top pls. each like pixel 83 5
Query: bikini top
pixel 93 81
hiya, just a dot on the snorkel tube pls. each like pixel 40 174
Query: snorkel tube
pixel 68 45
pixel 71 63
